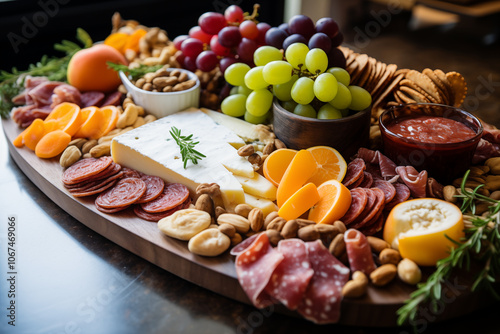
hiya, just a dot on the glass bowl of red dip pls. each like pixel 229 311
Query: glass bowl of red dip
pixel 438 138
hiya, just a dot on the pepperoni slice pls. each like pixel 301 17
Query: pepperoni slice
pixel 402 194
pixel 111 170
pixel 354 172
pixel 357 183
pixel 173 194
pixel 367 180
pixel 374 211
pixel 387 188
pixel 114 210
pixel 85 168
pixel 155 217
pixel 127 191
pixel 359 199
pixel 371 198
pixel 154 188
pixel 129 172
pixel 93 185
pixel 375 227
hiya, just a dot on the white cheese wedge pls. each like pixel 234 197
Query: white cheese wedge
pixel 265 205
pixel 258 186
pixel 247 131
pixel 152 150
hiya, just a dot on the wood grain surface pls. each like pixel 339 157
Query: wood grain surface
pixel 217 274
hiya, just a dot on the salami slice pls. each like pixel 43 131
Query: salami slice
pixel 110 171
pixel 92 185
pixel 254 268
pixel 358 202
pixel 322 299
pixel 354 171
pixel 114 210
pixel 129 172
pixel 374 207
pixel 84 169
pixel 291 278
pixel 239 248
pixel 375 227
pixel 387 188
pixel 173 194
pixel 112 99
pixel 92 98
pixel 126 192
pixel 359 252
pixel 154 188
pixel 367 180
pixel 402 194
pixel 84 193
pixel 155 217
pixel 357 183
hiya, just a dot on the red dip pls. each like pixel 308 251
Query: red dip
pixel 431 129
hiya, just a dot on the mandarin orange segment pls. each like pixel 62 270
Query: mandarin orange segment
pixel 300 201
pixel 33 134
pixel 335 200
pixel 117 40
pixel 111 114
pixel 331 165
pixel 91 128
pixel 52 144
pixel 300 169
pixel 276 164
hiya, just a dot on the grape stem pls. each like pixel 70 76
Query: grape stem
pixel 254 15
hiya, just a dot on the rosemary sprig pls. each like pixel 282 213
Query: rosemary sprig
pixel 11 83
pixel 135 72
pixel 186 145
pixel 482 241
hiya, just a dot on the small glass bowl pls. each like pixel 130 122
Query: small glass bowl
pixel 443 161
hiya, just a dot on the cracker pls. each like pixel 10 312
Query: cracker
pixel 459 87
pixel 425 83
pixel 412 93
pixel 439 84
pixel 412 85
pixel 442 77
pixel 404 98
pixel 388 90
pixel 402 71
pixel 363 81
pixel 385 79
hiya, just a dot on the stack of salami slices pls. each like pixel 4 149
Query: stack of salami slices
pixel 120 188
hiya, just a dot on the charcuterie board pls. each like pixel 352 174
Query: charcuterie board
pixel 217 274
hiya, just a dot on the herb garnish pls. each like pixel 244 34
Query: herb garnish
pixel 11 84
pixel 135 72
pixel 187 147
pixel 482 241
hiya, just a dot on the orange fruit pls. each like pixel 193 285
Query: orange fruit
pixel 88 69
pixel 68 117
pixel 111 114
pixel 276 164
pixel 335 200
pixel 419 229
pixel 331 165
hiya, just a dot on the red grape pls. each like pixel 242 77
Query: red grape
pixel 229 36
pixel 295 38
pixel 198 33
pixel 337 40
pixel 178 41
pixel 246 49
pixel 275 37
pixel 336 58
pixel 263 27
pixel 207 61
pixel 321 41
pixel 179 56
pixel 233 13
pixel 190 63
pixel 284 26
pixel 301 24
pixel 225 63
pixel 212 22
pixel 249 29
pixel 224 92
pixel 191 47
pixel 219 49
pixel 328 26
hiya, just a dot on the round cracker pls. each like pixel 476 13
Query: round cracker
pixel 459 87
pixel 425 83
pixel 404 98
pixel 412 85
pixel 412 93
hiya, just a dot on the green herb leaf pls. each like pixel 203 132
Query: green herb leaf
pixel 136 72
pixel 186 147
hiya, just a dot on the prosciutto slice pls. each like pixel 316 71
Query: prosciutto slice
pixel 66 93
pixel 254 268
pixel 42 94
pixel 386 165
pixel 291 278
pixel 415 181
pixel 322 299
pixel 359 252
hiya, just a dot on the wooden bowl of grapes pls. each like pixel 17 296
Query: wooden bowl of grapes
pixel 346 134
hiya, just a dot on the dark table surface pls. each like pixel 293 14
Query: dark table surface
pixel 71 280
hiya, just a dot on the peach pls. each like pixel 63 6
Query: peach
pixel 87 69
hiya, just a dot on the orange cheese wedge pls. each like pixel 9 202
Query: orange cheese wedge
pixel 300 201
pixel 419 229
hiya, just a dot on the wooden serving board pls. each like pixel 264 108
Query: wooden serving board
pixel 217 274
